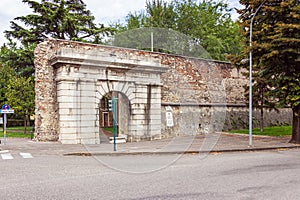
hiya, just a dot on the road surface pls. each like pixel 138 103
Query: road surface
pixel 244 175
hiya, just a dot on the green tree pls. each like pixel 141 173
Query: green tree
pixel 17 91
pixel 20 95
pixel 20 58
pixel 208 23
pixel 260 98
pixel 276 51
pixel 61 19
pixel 161 14
pixel 5 74
pixel 260 87
pixel 211 25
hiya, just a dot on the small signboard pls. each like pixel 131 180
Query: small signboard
pixel 1 120
pixel 169 119
pixel 7 111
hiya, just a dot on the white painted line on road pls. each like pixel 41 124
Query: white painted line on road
pixel 4 151
pixel 26 155
pixel 7 156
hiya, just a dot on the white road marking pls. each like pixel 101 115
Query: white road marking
pixel 4 151
pixel 26 155
pixel 7 156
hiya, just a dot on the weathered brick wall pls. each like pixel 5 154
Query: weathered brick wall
pixel 201 81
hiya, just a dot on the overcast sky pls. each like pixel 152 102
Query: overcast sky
pixel 105 11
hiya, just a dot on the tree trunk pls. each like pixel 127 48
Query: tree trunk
pixel 296 125
pixel 262 119
pixel 262 111
pixel 25 125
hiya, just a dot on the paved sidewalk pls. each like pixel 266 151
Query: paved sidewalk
pixel 211 143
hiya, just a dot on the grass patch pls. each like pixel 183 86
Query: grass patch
pixel 15 135
pixel 110 129
pixel 268 131
pixel 18 128
pixel 16 132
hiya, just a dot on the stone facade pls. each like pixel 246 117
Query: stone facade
pixel 207 96
pixel 72 78
pixel 199 119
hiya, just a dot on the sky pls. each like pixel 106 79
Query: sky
pixel 105 11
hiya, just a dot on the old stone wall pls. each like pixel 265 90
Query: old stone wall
pixel 72 77
pixel 207 96
pixel 238 118
pixel 199 119
pixel 201 81
pixel 46 116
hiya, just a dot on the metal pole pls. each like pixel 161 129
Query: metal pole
pixel 4 127
pixel 114 122
pixel 250 76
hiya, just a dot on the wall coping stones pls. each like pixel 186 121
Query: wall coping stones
pixel 102 59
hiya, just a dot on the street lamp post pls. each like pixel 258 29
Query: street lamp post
pixel 250 76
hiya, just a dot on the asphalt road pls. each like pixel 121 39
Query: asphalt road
pixel 247 175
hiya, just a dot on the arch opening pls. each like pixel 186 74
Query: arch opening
pixel 106 117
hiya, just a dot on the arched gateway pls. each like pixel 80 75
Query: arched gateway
pixel 72 78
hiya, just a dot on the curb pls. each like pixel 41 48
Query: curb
pixel 253 135
pixel 179 152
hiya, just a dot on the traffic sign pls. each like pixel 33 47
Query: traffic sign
pixel 5 107
pixel 5 110
pixel 110 105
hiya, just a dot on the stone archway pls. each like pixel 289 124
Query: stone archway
pixel 73 77
pixel 123 114
pixel 143 115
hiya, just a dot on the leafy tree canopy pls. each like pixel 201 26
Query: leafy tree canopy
pixel 207 22
pixel 276 50
pixel 61 19
pixel 5 74
pixel 20 95
pixel 19 58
